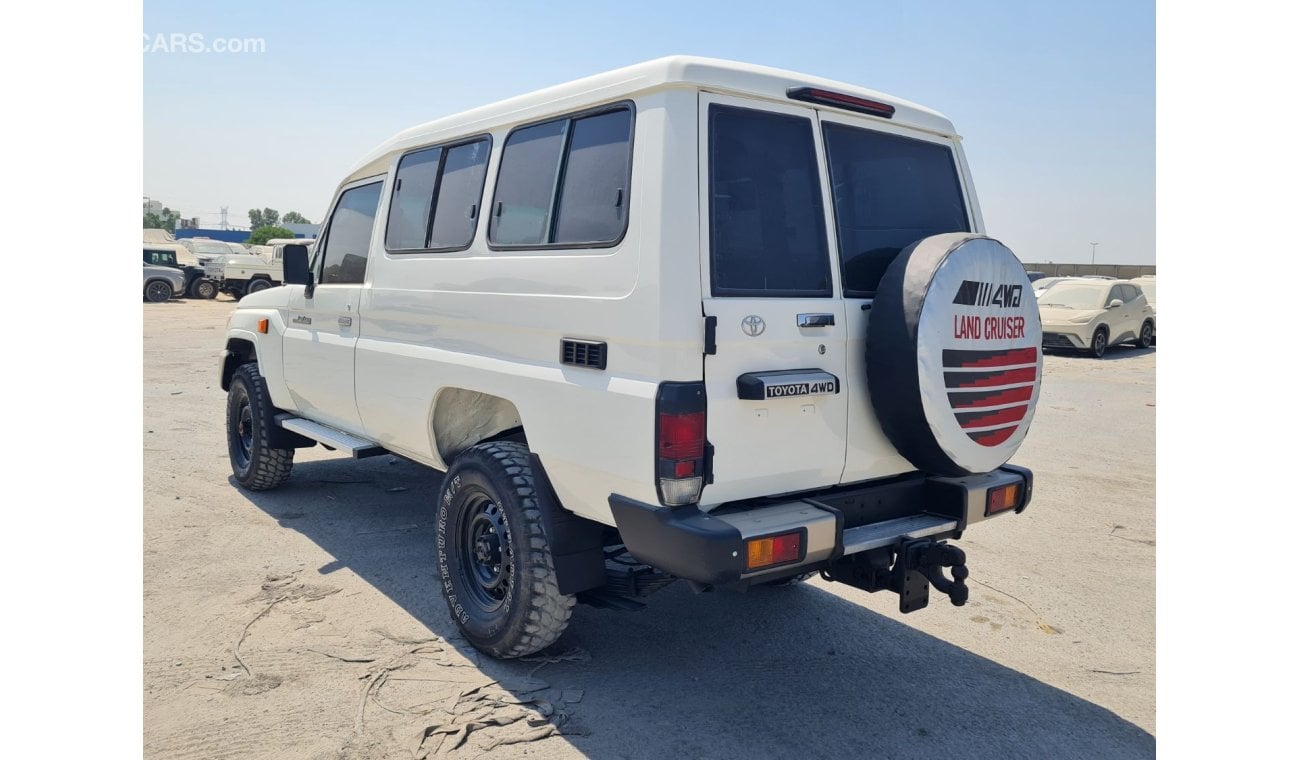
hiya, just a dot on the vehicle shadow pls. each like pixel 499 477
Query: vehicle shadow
pixel 793 672
pixel 1114 353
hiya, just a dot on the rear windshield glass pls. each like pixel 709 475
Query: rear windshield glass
pixel 890 192
pixel 767 221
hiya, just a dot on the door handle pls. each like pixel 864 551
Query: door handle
pixel 816 320
pixel 345 321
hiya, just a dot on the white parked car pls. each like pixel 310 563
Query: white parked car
pixel 1093 315
pixel 636 315
pixel 259 269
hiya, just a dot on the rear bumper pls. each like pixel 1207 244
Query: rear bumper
pixel 709 548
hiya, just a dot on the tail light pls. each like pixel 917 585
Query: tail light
pixel 680 443
pixel 773 550
pixel 1002 498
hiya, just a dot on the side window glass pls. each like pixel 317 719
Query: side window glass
pixel 1115 292
pixel 408 214
pixel 525 194
pixel 767 233
pixel 1130 293
pixel 347 244
pixel 593 195
pixel 459 192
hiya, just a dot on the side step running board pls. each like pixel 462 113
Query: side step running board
pixel 889 532
pixel 358 448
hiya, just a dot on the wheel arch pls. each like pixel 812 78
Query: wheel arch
pixel 462 418
pixel 239 351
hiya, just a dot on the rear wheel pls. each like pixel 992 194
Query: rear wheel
pixel 257 285
pixel 157 291
pixel 1146 336
pixel 1100 339
pixel 494 559
pixel 256 464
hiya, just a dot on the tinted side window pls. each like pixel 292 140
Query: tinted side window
pixel 525 194
pixel 1115 292
pixel 347 242
pixel 889 192
pixel 459 191
pixel 767 224
pixel 593 195
pixel 1130 292
pixel 408 214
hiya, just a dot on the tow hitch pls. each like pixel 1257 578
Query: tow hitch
pixel 916 565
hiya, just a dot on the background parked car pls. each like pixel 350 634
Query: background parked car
pixel 1094 315
pixel 161 283
pixel 1035 276
pixel 196 284
pixel 1147 284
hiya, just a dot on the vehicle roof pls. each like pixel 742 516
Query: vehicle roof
pixel 670 72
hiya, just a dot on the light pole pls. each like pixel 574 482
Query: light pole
pixel 1094 253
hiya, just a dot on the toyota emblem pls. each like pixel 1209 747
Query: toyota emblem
pixel 753 325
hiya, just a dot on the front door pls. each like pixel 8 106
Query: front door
pixel 320 338
pixel 777 388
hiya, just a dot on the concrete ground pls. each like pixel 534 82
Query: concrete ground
pixel 324 590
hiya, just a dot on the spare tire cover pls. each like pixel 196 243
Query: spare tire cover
pixel 954 359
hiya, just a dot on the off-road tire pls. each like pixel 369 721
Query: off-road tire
pixel 494 482
pixel 158 291
pixel 257 285
pixel 1100 341
pixel 256 464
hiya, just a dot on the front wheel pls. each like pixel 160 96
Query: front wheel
pixel 494 560
pixel 257 465
pixel 258 285
pixel 1100 340
pixel 205 289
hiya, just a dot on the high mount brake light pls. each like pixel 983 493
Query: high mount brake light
pixel 841 100
pixel 680 443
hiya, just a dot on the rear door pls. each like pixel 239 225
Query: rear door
pixel 891 186
pixel 320 339
pixel 776 383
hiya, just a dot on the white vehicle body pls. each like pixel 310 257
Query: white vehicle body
pixel 427 349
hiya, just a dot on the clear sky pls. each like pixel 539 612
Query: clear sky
pixel 1055 101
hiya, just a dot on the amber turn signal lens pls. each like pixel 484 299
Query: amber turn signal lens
pixel 772 550
pixel 263 325
pixel 1003 498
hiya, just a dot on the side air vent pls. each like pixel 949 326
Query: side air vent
pixel 583 353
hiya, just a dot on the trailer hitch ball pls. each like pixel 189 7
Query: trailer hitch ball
pixel 928 559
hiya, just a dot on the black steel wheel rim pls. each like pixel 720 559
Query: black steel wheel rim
pixel 243 438
pixel 486 556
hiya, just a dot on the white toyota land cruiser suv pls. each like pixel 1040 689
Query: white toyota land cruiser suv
pixel 690 319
